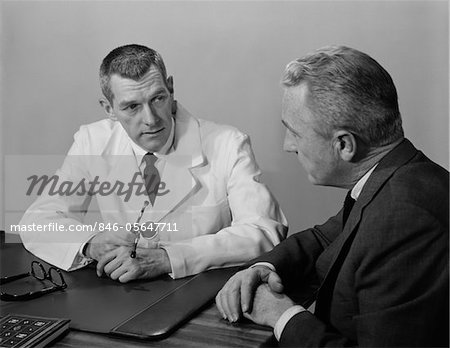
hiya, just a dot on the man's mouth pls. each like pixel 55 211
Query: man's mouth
pixel 153 132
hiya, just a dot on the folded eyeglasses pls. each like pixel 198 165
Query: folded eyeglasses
pixel 38 271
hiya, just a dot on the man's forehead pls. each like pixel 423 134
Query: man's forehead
pixel 296 94
pixel 152 77
pixel 152 82
pixel 294 107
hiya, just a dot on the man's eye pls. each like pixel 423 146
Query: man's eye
pixel 131 106
pixel 159 99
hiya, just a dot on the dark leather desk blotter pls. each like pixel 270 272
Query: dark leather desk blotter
pixel 141 309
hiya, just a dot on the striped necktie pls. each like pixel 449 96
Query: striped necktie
pixel 151 176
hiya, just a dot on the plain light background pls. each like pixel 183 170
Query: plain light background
pixel 227 59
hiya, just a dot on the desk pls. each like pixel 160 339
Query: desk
pixel 206 329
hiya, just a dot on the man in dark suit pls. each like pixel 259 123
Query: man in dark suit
pixel 378 270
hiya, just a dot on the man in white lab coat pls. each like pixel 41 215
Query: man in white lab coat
pixel 196 184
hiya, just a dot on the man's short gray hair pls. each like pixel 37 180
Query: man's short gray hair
pixel 347 89
pixel 129 61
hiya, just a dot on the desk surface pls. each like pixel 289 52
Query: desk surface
pixel 206 329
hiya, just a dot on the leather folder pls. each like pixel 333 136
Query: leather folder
pixel 164 316
pixel 140 309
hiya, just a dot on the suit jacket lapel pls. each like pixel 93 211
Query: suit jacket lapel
pixel 385 169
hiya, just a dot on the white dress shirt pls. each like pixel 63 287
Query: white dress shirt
pixel 139 152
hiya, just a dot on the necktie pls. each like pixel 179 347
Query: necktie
pixel 151 177
pixel 348 205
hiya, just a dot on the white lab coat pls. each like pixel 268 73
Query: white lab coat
pixel 222 213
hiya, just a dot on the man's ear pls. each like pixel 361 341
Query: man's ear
pixel 171 90
pixel 170 84
pixel 344 144
pixel 108 108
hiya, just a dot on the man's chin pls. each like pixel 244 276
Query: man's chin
pixel 314 180
pixel 151 146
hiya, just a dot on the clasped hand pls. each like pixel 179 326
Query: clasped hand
pixel 111 250
pixel 255 293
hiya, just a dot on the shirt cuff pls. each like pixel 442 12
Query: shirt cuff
pixel 285 317
pixel 266 264
pixel 174 261
pixel 81 255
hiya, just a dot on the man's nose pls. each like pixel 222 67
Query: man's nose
pixel 149 116
pixel 289 142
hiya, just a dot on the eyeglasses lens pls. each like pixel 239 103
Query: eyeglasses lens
pixel 38 271
pixel 56 277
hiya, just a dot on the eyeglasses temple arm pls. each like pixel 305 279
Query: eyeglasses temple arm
pixel 31 295
pixel 5 280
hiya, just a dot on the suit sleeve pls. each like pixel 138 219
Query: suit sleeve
pixel 67 211
pixel 258 223
pixel 401 285
pixel 295 258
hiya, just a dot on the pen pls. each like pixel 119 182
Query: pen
pixel 138 234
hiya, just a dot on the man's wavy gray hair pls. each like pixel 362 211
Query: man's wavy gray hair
pixel 347 89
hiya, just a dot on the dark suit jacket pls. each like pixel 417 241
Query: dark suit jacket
pixel 384 276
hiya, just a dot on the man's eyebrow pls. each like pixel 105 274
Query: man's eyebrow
pixel 159 90
pixel 125 103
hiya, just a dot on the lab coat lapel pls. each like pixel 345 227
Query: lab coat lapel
pixel 122 168
pixel 178 182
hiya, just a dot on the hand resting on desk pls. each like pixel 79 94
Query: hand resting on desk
pixel 268 306
pixel 111 250
pixel 242 294
pixel 104 242
pixel 149 263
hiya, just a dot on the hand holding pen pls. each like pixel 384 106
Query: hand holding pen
pixel 138 233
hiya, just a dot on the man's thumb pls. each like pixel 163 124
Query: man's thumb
pixel 275 282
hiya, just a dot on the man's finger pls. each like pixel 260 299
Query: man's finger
pixel 226 301
pixel 127 276
pixel 118 272
pixel 275 283
pixel 219 300
pixel 226 305
pixel 104 260
pixel 234 303
pixel 263 272
pixel 248 287
pixel 111 266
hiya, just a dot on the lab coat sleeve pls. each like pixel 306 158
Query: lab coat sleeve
pixel 258 224
pixel 66 212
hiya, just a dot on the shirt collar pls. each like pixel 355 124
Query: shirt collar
pixel 139 152
pixel 356 190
